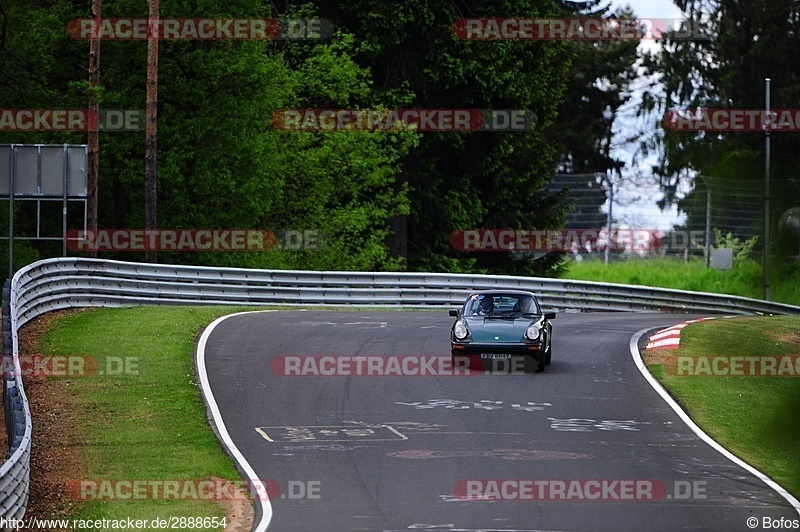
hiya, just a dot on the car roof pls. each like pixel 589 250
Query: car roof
pixel 507 292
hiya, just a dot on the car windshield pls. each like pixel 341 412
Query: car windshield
pixel 501 304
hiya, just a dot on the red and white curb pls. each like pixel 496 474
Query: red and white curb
pixel 670 338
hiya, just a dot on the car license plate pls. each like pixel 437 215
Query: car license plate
pixel 501 356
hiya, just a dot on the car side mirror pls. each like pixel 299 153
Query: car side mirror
pixel 550 315
pixel 454 313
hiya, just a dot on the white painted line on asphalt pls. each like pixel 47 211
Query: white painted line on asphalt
pixel 263 499
pixel 637 359
pixel 264 435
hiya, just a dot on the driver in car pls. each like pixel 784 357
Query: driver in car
pixel 486 306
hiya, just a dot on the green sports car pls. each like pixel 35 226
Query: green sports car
pixel 501 325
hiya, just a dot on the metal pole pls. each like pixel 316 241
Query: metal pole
pixel 64 205
pixel 11 211
pixel 610 213
pixel 766 191
pixel 708 224
pixel 38 190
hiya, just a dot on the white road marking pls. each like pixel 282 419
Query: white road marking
pixel 211 402
pixel 264 435
pixel 484 404
pixel 327 433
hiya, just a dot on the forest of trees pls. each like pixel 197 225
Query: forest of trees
pixel 384 200
pixel 750 41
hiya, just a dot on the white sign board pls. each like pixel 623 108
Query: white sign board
pixel 722 258
pixel 43 170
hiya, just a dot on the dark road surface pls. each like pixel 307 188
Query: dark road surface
pixel 405 452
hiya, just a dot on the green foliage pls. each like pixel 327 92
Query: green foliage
pixel 35 70
pixel 742 250
pixel 598 85
pixel 750 40
pixel 745 279
pixel 466 180
pixel 222 164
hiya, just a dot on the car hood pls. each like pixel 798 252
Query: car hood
pixel 485 329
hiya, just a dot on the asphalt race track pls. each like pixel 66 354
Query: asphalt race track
pixel 398 453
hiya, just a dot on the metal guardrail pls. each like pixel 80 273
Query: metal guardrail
pixel 15 471
pixel 54 284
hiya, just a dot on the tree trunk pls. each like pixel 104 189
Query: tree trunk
pixel 93 141
pixel 151 130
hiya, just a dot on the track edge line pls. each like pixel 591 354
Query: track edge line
pixel 261 524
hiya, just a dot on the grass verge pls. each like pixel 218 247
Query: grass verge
pixel 754 417
pixel 745 279
pixel 149 426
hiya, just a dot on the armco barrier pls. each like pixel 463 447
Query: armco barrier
pixel 77 282
pixel 15 471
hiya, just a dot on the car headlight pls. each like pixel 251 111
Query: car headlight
pixel 460 330
pixel 533 332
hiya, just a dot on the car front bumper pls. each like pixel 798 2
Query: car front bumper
pixel 534 349
pixel 488 356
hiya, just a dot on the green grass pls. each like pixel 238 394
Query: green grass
pixel 756 418
pixel 150 426
pixel 745 279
